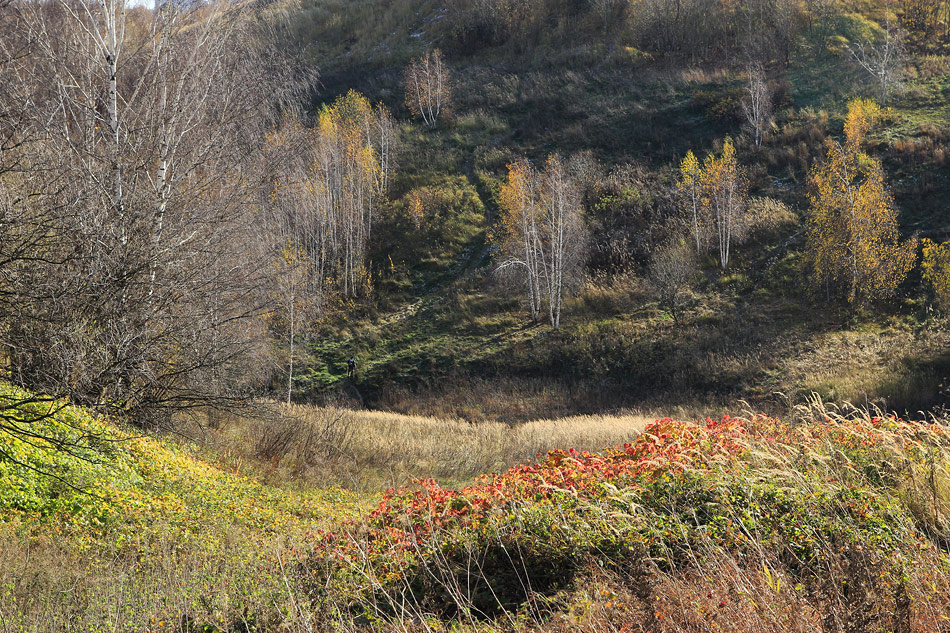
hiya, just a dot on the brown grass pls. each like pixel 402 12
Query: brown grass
pixel 894 368
pixel 369 450
pixel 47 585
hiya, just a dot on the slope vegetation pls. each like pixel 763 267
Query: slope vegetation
pixel 104 529
pixel 831 523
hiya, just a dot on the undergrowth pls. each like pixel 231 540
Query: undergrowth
pixel 834 523
pixel 103 529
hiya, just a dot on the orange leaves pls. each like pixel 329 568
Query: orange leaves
pixel 517 198
pixel 407 517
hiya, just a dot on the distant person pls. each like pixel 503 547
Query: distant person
pixel 351 368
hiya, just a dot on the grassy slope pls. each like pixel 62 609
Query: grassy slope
pixel 771 526
pixel 104 529
pixel 125 531
pixel 442 329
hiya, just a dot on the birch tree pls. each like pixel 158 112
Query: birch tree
pixel 563 233
pixel 542 233
pixel 326 189
pixel 428 87
pixel 757 104
pixel 325 195
pixel 690 188
pixel 853 239
pixel 140 143
pixel 352 150
pixel 521 230
pixel 725 199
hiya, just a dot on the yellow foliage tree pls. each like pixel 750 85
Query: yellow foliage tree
pixel 332 181
pixel 935 271
pixel 715 194
pixel 690 188
pixel 853 239
pixel 725 198
pixel 862 115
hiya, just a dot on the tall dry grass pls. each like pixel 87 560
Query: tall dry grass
pixel 370 450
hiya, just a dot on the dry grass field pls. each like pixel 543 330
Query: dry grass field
pixel 369 450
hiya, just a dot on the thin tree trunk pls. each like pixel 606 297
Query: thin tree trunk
pixel 290 368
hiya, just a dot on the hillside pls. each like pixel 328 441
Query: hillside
pixel 481 316
pixel 105 529
pixel 442 326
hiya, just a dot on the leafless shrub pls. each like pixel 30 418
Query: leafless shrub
pixel 304 435
pixel 757 104
pixel 672 274
pixel 883 60
pixel 768 215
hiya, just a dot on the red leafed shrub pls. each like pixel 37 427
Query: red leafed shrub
pixel 407 515
pixel 803 494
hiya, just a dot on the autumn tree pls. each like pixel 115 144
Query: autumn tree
pixel 690 188
pixel 328 189
pixel 757 104
pixel 563 233
pixel 520 230
pixel 853 238
pixel 428 87
pixel 542 233
pixel 135 156
pixel 725 199
pixel 715 196
pixel 347 179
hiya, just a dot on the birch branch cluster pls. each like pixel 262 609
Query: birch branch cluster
pixel 130 179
